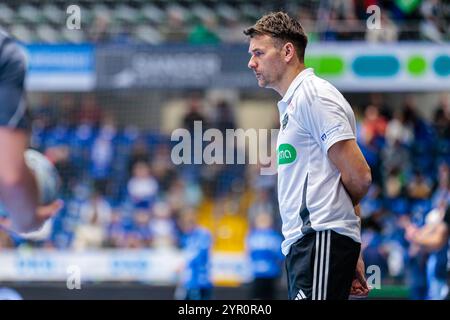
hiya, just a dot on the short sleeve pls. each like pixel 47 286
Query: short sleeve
pixel 12 92
pixel 327 122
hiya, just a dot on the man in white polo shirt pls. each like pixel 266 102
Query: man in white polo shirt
pixel 322 174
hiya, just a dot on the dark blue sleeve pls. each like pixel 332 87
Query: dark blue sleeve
pixel 447 217
pixel 13 110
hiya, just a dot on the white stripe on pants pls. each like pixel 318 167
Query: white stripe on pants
pixel 321 265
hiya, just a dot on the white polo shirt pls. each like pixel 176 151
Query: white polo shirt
pixel 313 115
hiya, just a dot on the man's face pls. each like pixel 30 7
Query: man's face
pixel 266 61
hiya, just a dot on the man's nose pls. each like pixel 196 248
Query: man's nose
pixel 251 63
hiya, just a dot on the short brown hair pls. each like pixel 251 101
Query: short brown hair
pixel 280 25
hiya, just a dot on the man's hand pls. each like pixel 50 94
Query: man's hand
pixel 42 228
pixel 358 210
pixel 355 172
pixel 39 217
pixel 359 285
pixel 411 232
pixel 43 213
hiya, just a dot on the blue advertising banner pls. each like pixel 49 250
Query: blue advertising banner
pixel 60 67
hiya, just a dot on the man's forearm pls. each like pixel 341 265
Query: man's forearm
pixel 356 191
pixel 20 198
pixel 18 188
pixel 431 241
pixel 355 173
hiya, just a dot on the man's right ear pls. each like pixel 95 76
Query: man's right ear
pixel 289 51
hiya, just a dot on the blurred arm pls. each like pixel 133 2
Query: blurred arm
pixel 431 239
pixel 18 189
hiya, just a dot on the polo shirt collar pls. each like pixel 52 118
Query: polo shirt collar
pixel 283 103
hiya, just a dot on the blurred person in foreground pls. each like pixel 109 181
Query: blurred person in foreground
pixel 263 247
pixel 433 239
pixel 195 242
pixel 19 194
pixel 322 174
pixel 9 294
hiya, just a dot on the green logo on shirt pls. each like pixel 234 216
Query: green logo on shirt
pixel 286 153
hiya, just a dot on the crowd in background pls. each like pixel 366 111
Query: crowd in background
pixel 212 22
pixel 409 158
pixel 122 190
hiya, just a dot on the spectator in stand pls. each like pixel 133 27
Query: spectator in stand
pixel 181 194
pixel 387 33
pixel 44 114
pixel 262 204
pixel 397 130
pixel 371 204
pixel 204 32
pixel 342 18
pixel 142 186
pixel 89 113
pixel 162 227
pixel 395 200
pixel 163 167
pixel 100 28
pixel 377 99
pixel 419 187
pixel 433 26
pixel 139 153
pixel 373 129
pixel 442 117
pixel 224 117
pixel 102 155
pixel 174 28
pixel 192 172
pixel 422 130
pixel 194 113
pixel 60 156
pixel 374 124
pixel 395 153
pixel 406 13
pixel 432 238
pixel 232 30
pixel 442 192
pixel 395 156
pixel 309 24
pixel 87 116
pixel 372 247
pixel 141 227
pixel 95 216
pixel 115 235
pixel 424 137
